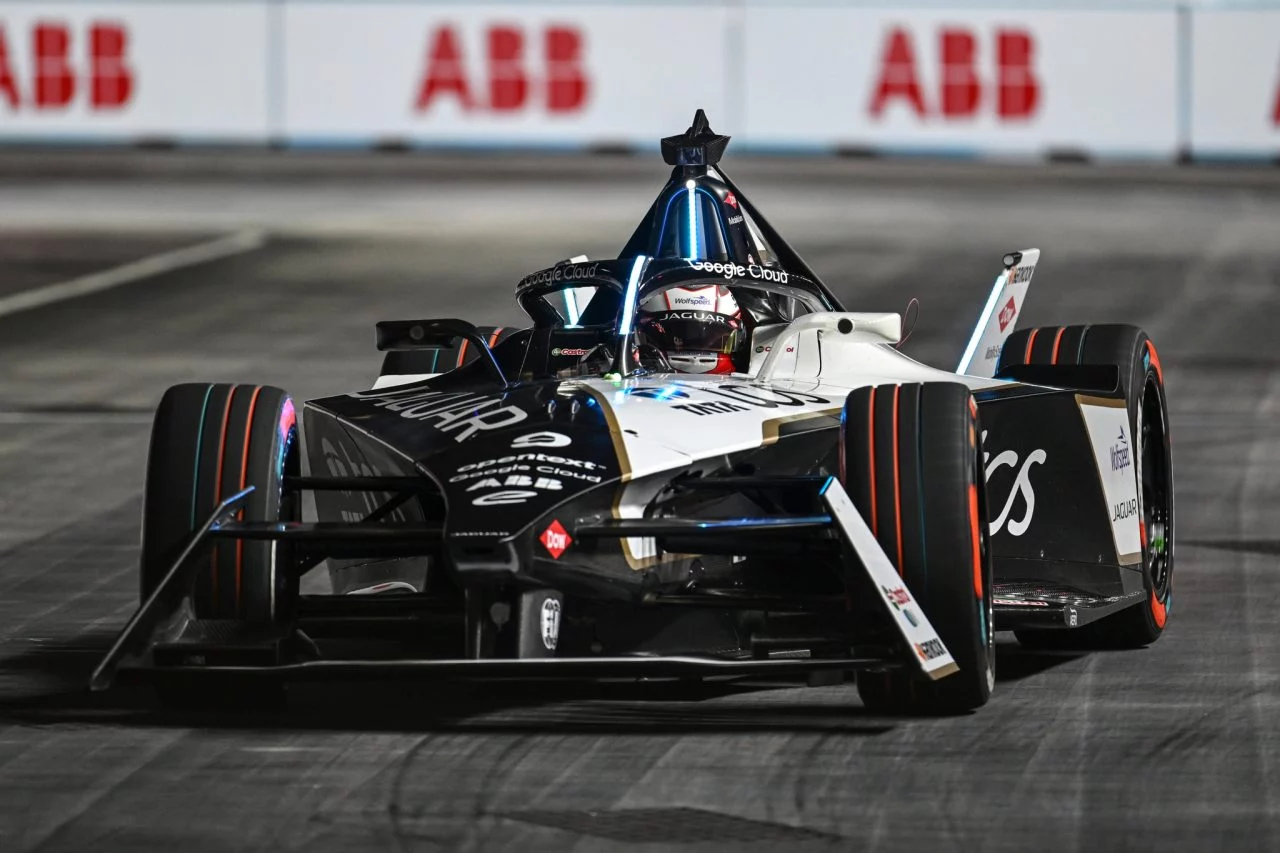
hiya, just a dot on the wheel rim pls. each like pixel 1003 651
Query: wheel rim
pixel 1157 494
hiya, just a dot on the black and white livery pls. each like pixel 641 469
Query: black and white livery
pixel 692 462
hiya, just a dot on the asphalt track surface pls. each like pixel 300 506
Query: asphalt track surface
pixel 1175 747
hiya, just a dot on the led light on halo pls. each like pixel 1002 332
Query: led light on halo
pixel 692 188
pixel 629 300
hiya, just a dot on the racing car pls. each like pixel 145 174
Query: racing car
pixel 691 463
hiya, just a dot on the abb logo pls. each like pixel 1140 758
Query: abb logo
pixel 508 86
pixel 54 83
pixel 1014 93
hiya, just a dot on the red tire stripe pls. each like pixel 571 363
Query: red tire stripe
pixel 1031 339
pixel 1158 610
pixel 244 482
pixel 1155 361
pixel 493 339
pixel 217 483
pixel 871 433
pixel 462 352
pixel 897 477
pixel 973 528
pixel 1056 341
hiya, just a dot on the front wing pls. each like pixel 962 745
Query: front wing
pixel 164 635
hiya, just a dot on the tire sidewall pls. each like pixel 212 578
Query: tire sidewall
pixel 1144 379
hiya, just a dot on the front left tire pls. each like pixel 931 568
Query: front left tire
pixel 209 441
pixel 911 463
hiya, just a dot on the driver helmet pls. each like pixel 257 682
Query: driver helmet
pixel 699 328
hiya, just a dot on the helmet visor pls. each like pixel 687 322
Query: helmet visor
pixel 691 331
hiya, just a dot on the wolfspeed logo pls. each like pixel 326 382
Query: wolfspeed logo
pixel 568 272
pixel 732 270
pixel 462 414
pixel 690 300
pixel 1120 458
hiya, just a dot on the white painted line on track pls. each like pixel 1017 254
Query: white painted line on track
pixel 201 253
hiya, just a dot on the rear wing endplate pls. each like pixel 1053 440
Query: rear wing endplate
pixel 1000 314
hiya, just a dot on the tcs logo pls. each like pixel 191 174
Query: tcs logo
pixel 520 71
pixel 98 75
pixel 1012 92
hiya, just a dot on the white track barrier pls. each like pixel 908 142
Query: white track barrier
pixel 1146 79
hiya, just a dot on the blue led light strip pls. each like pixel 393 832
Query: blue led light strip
pixel 692 187
pixel 571 306
pixel 629 300
pixel 972 348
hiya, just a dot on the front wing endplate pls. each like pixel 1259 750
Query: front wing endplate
pixel 930 654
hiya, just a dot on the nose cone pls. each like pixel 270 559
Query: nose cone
pixel 497 486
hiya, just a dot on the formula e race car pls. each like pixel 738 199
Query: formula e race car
pixel 693 463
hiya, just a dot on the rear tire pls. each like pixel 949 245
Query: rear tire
pixel 911 463
pixel 1142 380
pixel 209 441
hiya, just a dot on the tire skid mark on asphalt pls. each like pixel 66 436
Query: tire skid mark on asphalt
pixel 326 787
pixel 1065 733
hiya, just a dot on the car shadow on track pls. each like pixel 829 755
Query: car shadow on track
pixel 45 685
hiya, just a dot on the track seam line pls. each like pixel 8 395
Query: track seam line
pixel 201 253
